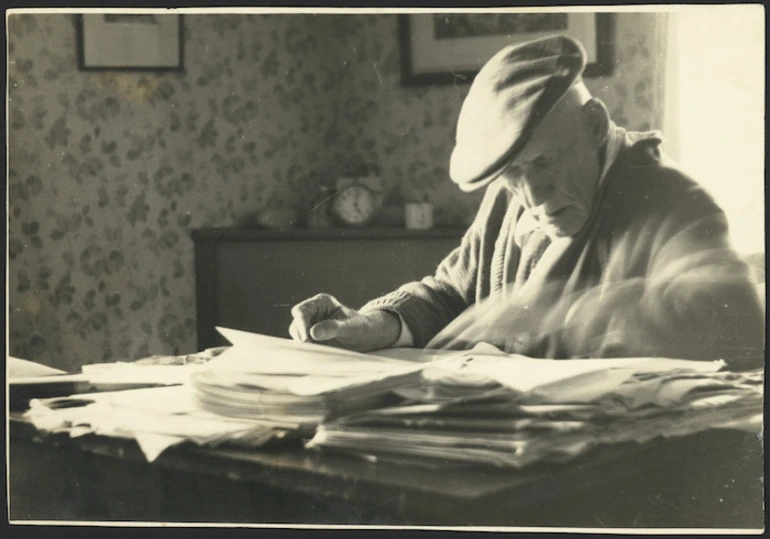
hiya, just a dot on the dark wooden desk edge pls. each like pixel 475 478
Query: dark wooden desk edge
pixel 534 496
pixel 347 477
pixel 244 464
pixel 241 464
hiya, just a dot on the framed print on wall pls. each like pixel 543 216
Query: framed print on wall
pixel 450 48
pixel 130 41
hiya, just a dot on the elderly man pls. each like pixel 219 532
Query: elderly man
pixel 585 245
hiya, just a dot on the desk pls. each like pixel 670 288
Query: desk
pixel 709 480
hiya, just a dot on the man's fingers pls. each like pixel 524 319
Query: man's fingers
pixel 300 324
pixel 294 332
pixel 325 330
pixel 301 314
pixel 310 311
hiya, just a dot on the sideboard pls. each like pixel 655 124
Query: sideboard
pixel 249 278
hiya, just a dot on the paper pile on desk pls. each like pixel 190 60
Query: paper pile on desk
pixel 259 389
pixel 478 406
pixel 152 402
pixel 284 380
pixel 157 418
pixel 157 370
pixel 513 411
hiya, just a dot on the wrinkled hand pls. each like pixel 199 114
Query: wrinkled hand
pixel 325 320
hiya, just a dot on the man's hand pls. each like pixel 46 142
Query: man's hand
pixel 325 320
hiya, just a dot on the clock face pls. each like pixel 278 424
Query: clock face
pixel 354 205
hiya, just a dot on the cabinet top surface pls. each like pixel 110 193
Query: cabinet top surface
pixel 246 234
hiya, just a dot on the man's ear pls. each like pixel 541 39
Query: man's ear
pixel 596 120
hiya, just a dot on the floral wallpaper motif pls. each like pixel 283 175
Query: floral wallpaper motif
pixel 109 171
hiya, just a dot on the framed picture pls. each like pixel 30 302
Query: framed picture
pixel 450 48
pixel 130 41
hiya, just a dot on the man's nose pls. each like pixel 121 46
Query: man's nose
pixel 536 191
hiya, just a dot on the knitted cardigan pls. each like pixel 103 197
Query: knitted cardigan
pixel 661 229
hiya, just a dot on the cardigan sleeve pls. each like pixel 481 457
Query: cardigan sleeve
pixel 427 306
pixel 693 298
pixel 700 301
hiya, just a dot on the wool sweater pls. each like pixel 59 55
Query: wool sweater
pixel 650 274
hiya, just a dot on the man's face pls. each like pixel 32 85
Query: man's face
pixel 556 174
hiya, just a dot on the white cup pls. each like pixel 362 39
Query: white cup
pixel 418 215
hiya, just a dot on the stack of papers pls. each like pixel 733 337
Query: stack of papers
pixel 157 418
pixel 27 379
pixel 513 411
pixel 260 389
pixel 283 380
pixel 479 406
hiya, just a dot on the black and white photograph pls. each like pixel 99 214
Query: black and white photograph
pixel 474 269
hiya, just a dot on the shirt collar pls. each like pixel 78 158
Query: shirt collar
pixel 616 137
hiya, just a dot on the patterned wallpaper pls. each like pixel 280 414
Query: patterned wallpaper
pixel 109 171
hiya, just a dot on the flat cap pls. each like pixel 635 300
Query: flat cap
pixel 509 97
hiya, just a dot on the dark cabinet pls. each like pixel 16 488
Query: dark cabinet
pixel 249 279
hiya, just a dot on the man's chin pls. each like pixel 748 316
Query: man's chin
pixel 556 234
pixel 562 230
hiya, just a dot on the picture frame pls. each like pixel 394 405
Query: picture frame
pixel 456 56
pixel 135 41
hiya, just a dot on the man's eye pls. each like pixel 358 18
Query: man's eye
pixel 542 161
